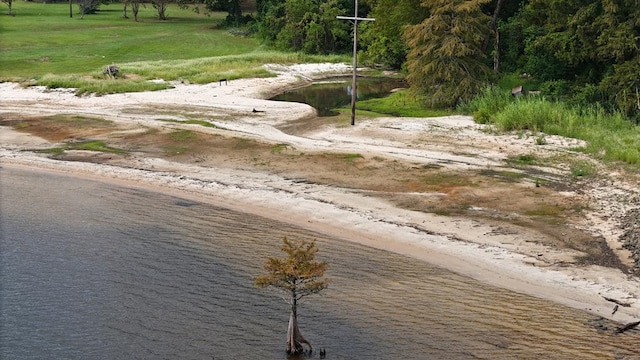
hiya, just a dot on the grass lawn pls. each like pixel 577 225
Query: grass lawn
pixel 42 39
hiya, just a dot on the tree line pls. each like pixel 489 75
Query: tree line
pixel 580 51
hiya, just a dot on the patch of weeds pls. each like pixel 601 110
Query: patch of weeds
pixel 21 125
pixel 182 135
pixel 98 146
pixel 278 148
pixel 541 140
pixel 540 181
pixel 352 157
pixel 582 169
pixel 445 179
pixel 526 159
pixel 580 149
pixel 190 122
pixel 200 122
pixel 52 151
pixel 546 210
pixel 508 176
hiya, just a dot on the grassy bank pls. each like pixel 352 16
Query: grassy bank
pixel 608 136
pixel 44 46
pixel 401 103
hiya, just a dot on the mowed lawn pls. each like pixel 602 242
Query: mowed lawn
pixel 42 39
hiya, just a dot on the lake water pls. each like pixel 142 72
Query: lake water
pixel 329 94
pixel 91 270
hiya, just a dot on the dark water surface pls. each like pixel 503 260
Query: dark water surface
pixel 90 270
pixel 329 94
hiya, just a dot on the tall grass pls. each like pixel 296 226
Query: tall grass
pixel 608 135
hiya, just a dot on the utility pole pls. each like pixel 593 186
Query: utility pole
pixel 354 91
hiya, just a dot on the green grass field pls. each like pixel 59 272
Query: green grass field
pixel 42 39
pixel 43 45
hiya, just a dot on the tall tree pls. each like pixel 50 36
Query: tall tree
pixel 232 7
pixel 296 276
pixel 383 40
pixel 161 7
pixel 135 8
pixel 271 18
pixel 88 6
pixel 309 26
pixel 445 61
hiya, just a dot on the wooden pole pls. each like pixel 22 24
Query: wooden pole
pixel 354 90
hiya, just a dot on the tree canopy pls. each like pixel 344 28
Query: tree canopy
pixel 383 41
pixel 445 60
pixel 305 25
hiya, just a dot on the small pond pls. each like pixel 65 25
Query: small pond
pixel 329 94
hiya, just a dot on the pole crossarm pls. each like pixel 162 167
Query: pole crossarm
pixel 355 18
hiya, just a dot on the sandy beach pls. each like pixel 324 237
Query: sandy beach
pixel 493 233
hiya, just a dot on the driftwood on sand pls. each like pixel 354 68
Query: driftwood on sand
pixel 627 327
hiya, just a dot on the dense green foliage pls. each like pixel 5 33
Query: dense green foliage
pixel 591 49
pixel 582 52
pixel 384 38
pixel 445 60
pixel 233 8
pixel 304 25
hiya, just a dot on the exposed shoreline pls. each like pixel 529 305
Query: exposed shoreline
pixel 466 246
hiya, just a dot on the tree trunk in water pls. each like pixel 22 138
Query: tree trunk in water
pixel 295 338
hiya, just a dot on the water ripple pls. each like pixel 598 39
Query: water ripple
pixel 91 270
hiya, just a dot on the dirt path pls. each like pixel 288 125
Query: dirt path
pixel 507 209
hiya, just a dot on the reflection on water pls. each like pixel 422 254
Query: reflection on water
pixel 334 93
pixel 96 271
